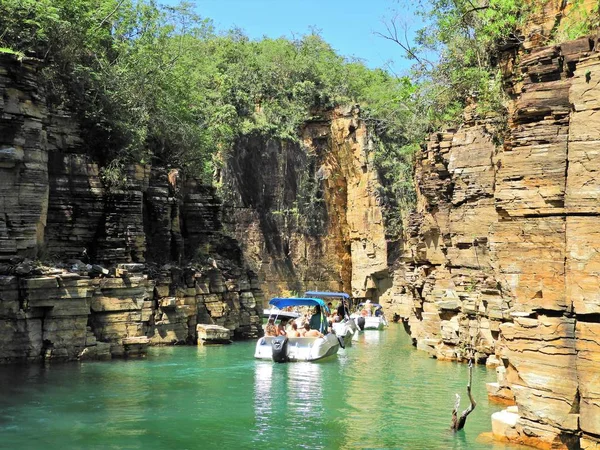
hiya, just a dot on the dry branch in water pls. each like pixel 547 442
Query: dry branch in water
pixel 458 423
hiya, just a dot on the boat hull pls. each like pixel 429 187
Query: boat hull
pixel 345 330
pixel 372 322
pixel 300 349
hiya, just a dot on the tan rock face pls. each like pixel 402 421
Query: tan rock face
pixel 307 215
pixel 54 206
pixel 502 253
pixel 364 215
pixel 71 316
pixel 588 373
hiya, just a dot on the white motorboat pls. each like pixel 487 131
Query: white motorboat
pixel 369 316
pixel 345 330
pixel 347 327
pixel 284 349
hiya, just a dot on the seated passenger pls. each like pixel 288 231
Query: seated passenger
pixel 294 332
pixel 311 333
pixel 281 328
pixel 271 329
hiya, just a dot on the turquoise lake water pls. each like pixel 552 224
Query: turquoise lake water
pixel 379 393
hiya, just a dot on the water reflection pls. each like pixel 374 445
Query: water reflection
pixel 263 395
pixel 380 393
pixel 288 397
pixel 305 391
pixel 364 395
pixel 372 336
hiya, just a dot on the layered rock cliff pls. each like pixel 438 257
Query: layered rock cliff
pixel 502 252
pixel 307 214
pixel 90 270
pixel 144 259
pixel 500 259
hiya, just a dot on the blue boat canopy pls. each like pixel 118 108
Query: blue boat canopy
pixel 326 294
pixel 282 302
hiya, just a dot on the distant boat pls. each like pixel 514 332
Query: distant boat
pixel 375 321
pixel 346 327
pixel 285 349
pixel 280 314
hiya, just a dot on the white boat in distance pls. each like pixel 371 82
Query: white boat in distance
pixel 376 321
pixel 280 314
pixel 347 327
pixel 284 349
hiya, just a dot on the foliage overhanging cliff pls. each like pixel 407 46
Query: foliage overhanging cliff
pixel 152 83
pixel 160 82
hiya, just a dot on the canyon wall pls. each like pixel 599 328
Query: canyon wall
pixel 501 256
pixel 91 271
pixel 307 214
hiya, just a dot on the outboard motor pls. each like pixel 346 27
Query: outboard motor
pixel 279 345
pixel 361 323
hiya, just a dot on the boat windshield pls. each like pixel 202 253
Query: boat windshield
pixel 374 305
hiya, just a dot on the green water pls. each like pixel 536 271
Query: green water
pixel 380 393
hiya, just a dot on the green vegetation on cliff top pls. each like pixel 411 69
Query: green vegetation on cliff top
pixel 159 84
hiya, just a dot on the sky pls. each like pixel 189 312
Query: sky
pixel 349 26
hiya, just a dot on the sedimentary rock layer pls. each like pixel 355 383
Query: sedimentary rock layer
pixel 89 270
pixel 307 215
pixel 502 253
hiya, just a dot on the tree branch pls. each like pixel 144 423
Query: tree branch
pixel 458 423
pixel 110 15
pixel 392 35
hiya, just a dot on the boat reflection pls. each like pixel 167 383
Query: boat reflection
pixel 263 394
pixel 372 336
pixel 288 396
pixel 305 391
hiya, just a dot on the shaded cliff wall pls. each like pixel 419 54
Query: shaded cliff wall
pixel 502 253
pixel 88 271
pixel 306 213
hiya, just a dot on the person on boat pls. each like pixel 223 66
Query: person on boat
pixel 367 309
pixel 294 331
pixel 281 328
pixel 318 321
pixel 330 307
pixel 342 310
pixel 308 332
pixel 271 329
